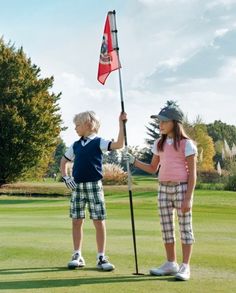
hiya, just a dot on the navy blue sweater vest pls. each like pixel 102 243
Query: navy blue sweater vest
pixel 88 161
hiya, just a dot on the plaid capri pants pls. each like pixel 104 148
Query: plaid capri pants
pixel 169 199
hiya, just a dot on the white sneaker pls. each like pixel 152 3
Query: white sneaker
pixel 77 261
pixel 104 264
pixel 183 273
pixel 168 268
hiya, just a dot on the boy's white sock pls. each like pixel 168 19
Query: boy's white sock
pixel 100 254
pixel 77 251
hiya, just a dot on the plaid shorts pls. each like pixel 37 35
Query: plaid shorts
pixel 169 199
pixel 90 193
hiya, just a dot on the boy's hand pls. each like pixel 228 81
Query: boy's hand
pixel 130 158
pixel 123 117
pixel 70 183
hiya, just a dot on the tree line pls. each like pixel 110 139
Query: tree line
pixel 30 127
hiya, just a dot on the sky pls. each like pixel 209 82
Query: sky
pixel 174 49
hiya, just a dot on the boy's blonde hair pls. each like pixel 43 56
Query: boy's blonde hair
pixel 89 117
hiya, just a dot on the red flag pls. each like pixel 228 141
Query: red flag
pixel 109 60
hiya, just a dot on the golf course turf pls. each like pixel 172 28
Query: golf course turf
pixel 36 244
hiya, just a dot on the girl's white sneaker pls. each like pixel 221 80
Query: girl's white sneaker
pixel 168 268
pixel 183 273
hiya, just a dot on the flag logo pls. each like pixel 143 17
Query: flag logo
pixel 109 59
pixel 105 58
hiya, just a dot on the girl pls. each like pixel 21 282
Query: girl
pixel 175 154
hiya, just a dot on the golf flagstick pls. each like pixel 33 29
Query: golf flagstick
pixel 115 40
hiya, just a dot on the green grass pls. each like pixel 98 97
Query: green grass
pixel 35 244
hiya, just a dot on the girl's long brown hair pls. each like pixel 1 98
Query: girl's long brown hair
pixel 179 133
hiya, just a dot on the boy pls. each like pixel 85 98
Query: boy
pixel 86 184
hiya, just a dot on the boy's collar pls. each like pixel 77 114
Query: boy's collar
pixel 91 136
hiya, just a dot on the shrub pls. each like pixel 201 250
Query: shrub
pixel 231 183
pixel 210 186
pixel 114 175
pixel 210 176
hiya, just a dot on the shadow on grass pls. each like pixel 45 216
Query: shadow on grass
pixel 69 282
pixel 19 271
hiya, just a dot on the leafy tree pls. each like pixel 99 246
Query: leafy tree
pixel 224 137
pixel 54 166
pixel 206 151
pixel 205 146
pixel 222 131
pixel 29 118
pixel 219 145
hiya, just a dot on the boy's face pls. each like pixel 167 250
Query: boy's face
pixel 82 129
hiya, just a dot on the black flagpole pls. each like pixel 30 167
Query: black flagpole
pixel 114 33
